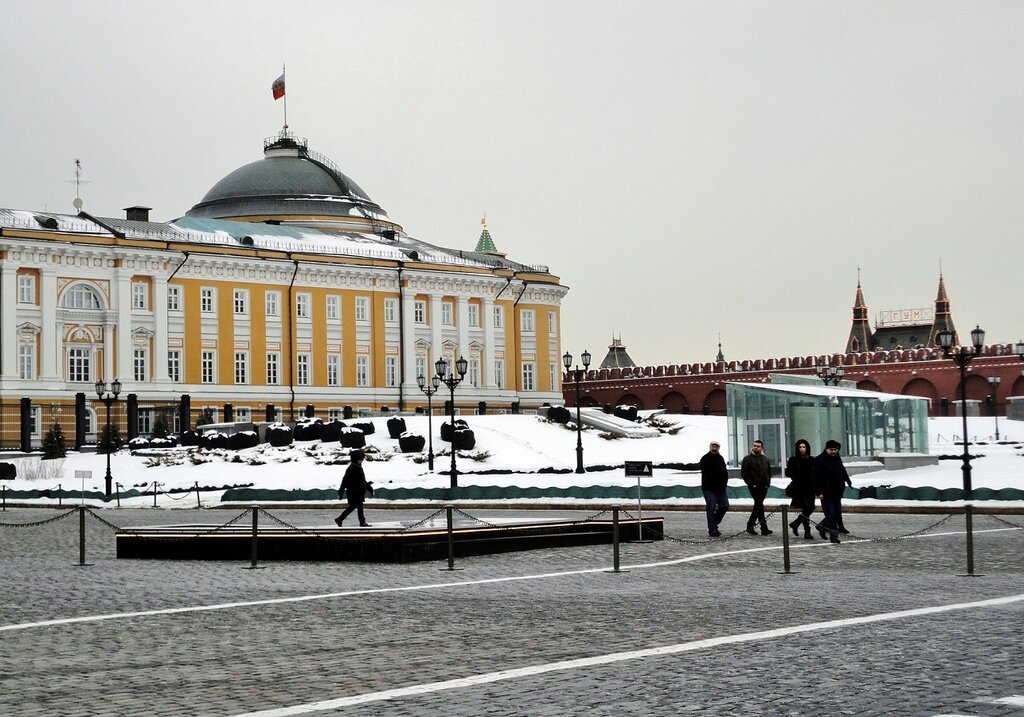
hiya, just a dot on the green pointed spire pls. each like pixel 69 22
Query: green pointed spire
pixel 485 245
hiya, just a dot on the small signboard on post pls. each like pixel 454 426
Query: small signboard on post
pixel 639 469
pixel 84 476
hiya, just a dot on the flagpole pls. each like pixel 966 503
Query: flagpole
pixel 285 98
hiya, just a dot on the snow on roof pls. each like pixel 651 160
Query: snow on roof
pixel 34 221
pixel 826 391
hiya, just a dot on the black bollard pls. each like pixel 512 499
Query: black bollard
pixel 969 519
pixel 5 498
pixel 117 494
pixel 155 484
pixel 615 542
pixel 785 541
pixel 255 532
pixel 451 540
pixel 81 537
pixel 60 496
pixel 199 501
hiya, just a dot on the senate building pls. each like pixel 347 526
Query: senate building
pixel 284 287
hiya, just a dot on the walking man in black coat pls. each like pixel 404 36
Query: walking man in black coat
pixel 756 472
pixel 355 487
pixel 830 480
pixel 714 478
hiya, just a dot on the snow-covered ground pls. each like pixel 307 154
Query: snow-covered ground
pixel 522 444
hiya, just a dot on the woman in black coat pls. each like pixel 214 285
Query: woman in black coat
pixel 800 469
pixel 355 487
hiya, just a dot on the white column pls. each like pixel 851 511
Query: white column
pixel 51 339
pixel 462 321
pixel 108 352
pixel 9 319
pixel 123 302
pixel 436 337
pixel 409 387
pixel 159 357
pixel 487 360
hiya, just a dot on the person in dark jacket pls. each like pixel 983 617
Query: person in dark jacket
pixel 355 487
pixel 800 470
pixel 714 479
pixel 756 472
pixel 830 480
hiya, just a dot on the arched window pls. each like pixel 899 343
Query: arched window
pixel 82 296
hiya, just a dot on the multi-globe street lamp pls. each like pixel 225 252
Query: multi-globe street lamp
pixel 445 375
pixel 994 383
pixel 830 374
pixel 108 398
pixel 963 356
pixel 430 390
pixel 577 375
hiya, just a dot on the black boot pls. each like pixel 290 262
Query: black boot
pixel 750 529
pixel 764 530
pixel 807 534
pixel 795 525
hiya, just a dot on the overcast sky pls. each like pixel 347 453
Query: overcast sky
pixel 686 168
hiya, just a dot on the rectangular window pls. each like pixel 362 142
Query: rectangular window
pixel 208 367
pixel 272 300
pixel 528 382
pixel 140 372
pixel 173 298
pixel 499 373
pixel 527 318
pixel 243 414
pixel 140 295
pixel 473 375
pixel 362 309
pixel 27 362
pixel 419 312
pixel 145 422
pixel 207 299
pixel 335 414
pixel 473 315
pixel 302 369
pixel 78 365
pixel 241 367
pixel 34 419
pixel 446 313
pixel 391 371
pixel 334 307
pixel 553 377
pixel 26 289
pixel 273 363
pixel 362 370
pixel 333 370
pixel 552 322
pixel 241 299
pixel 499 317
pixel 391 311
pixel 421 368
pixel 174 365
pixel 302 302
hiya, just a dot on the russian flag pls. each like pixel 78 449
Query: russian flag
pixel 278 87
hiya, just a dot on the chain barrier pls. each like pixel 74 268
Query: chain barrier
pixel 440 511
pixel 693 541
pixel 171 538
pixel 1004 521
pixel 37 523
pixel 184 495
pixel 481 521
pixel 890 538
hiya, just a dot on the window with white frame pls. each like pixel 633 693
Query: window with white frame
pixel 241 302
pixel 243 414
pixel 527 321
pixel 333 370
pixel 145 421
pixel 207 299
pixel 390 371
pixel 446 313
pixel 333 307
pixel 421 367
pixel 473 315
pixel 81 296
pixel 552 322
pixel 391 311
pixel 140 364
pixel 528 373
pixel 33 417
pixel 208 367
pixel 140 295
pixel 27 362
pixel 553 377
pixel 302 369
pixel 499 317
pixel 26 289
pixel 272 302
pixel 473 375
pixel 174 365
pixel 173 297
pixel 362 370
pixel 419 312
pixel 335 414
pixel 273 365
pixel 241 367
pixel 499 373
pixel 362 309
pixel 79 369
pixel 302 304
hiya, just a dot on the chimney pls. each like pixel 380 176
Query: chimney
pixel 137 214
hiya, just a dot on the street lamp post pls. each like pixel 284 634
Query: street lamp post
pixel 445 375
pixel 108 398
pixel 962 356
pixel 994 382
pixel 430 391
pixel 830 374
pixel 577 374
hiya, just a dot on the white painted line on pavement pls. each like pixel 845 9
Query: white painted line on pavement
pixel 1015 700
pixel 585 662
pixel 429 586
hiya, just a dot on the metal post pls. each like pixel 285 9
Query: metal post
pixel 81 535
pixel 199 501
pixel 615 539
pixel 451 538
pixel 155 484
pixel 60 495
pixel 785 539
pixel 579 426
pixel 110 446
pixel 5 498
pixel 255 532
pixel 966 467
pixel 640 513
pixel 454 473
pixel 430 433
pixel 117 494
pixel 969 518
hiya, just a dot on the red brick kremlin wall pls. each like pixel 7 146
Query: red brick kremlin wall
pixel 700 387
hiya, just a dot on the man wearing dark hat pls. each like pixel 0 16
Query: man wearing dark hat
pixel 355 487
pixel 714 478
pixel 830 480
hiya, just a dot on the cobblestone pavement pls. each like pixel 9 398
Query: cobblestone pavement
pixel 255 657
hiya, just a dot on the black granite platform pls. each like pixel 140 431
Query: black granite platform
pixel 385 542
